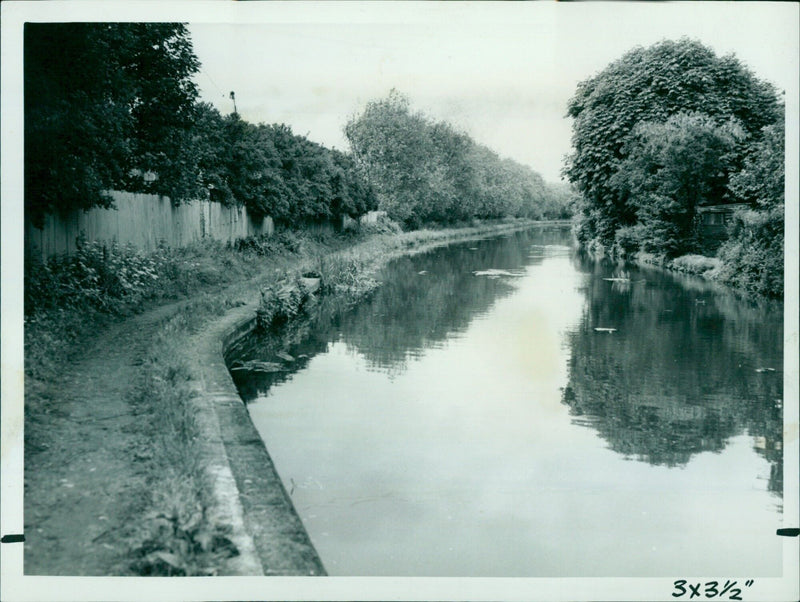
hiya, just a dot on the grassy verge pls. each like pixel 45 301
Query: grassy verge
pixel 174 534
pixel 698 265
pixel 170 529
pixel 346 276
pixel 70 300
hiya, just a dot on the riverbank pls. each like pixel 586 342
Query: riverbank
pixel 710 268
pixel 120 473
pixel 715 269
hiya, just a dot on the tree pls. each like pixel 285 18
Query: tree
pixel 672 168
pixel 428 172
pixel 212 146
pixel 651 85
pixel 753 253
pixel 393 146
pixel 352 194
pixel 761 179
pixel 106 103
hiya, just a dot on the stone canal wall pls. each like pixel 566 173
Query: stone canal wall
pixel 249 493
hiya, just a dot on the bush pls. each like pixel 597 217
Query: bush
pixel 283 299
pixel 628 239
pixel 382 225
pixel 752 257
pixel 696 264
pixel 97 275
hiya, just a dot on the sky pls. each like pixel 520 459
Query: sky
pixel 502 72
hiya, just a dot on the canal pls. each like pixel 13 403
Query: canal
pixel 511 408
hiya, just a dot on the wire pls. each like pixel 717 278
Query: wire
pixel 221 93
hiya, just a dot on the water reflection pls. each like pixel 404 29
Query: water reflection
pixel 423 300
pixel 662 366
pixel 688 367
pixel 469 418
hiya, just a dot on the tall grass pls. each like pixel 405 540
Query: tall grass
pixel 697 264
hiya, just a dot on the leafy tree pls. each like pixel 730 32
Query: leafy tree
pixel 211 145
pixel 672 168
pixel 352 194
pixel 428 172
pixel 105 103
pixel 761 179
pixel 561 201
pixel 274 172
pixel 391 144
pixel 651 85
pixel 753 253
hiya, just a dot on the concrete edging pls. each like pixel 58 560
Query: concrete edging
pixel 249 493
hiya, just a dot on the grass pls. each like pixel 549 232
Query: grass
pixel 697 264
pixel 347 276
pixel 69 300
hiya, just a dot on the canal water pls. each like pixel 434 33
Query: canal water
pixel 469 419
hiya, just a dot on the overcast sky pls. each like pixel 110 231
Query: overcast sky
pixel 503 72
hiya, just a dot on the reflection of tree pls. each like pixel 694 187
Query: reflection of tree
pixel 422 301
pixel 426 298
pixel 680 374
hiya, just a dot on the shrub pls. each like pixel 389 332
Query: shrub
pixel 628 239
pixel 97 275
pixel 696 264
pixel 753 255
pixel 382 225
pixel 282 300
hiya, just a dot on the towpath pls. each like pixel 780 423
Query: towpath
pixel 78 483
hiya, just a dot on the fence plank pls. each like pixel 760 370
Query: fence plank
pixel 144 220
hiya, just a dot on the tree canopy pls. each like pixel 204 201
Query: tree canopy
pixel 753 254
pixel 275 172
pixel 671 168
pixel 111 106
pixel 426 171
pixel 105 103
pixel 651 86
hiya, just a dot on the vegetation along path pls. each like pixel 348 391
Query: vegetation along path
pixel 103 494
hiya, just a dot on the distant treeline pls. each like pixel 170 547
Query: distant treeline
pixel 666 130
pixel 426 171
pixel 112 106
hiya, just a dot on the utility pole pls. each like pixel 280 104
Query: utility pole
pixel 233 98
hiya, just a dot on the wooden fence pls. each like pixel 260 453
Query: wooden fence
pixel 144 221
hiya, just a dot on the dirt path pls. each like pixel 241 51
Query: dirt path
pixel 75 489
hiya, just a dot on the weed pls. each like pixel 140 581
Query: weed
pixel 696 264
pixel 67 298
pixel 177 537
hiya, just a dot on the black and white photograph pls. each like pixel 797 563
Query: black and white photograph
pixel 400 300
